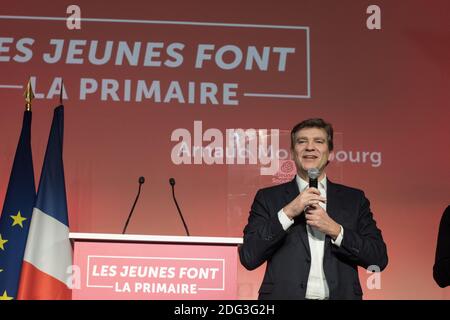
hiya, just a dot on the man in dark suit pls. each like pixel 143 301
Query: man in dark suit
pixel 313 239
pixel 441 268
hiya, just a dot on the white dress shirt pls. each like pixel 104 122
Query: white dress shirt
pixel 317 287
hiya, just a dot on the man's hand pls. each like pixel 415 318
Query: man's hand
pixel 319 218
pixel 310 196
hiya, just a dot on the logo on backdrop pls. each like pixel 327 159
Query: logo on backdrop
pixel 186 66
pixel 239 146
pixel 234 146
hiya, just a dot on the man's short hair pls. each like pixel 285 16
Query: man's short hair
pixel 314 123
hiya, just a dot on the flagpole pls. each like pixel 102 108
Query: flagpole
pixel 29 96
pixel 61 92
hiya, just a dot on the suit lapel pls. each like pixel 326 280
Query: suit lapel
pixel 332 209
pixel 292 191
pixel 332 199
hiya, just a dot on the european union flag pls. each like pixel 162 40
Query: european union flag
pixel 16 215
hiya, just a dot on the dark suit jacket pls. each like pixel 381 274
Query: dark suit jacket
pixel 288 254
pixel 441 268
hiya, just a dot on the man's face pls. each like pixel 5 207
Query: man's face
pixel 310 149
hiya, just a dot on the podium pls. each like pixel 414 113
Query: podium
pixel 145 267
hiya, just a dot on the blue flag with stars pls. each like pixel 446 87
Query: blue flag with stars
pixel 16 214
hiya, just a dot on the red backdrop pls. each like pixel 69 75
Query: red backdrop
pixel 385 91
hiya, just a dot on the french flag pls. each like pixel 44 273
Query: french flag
pixel 46 269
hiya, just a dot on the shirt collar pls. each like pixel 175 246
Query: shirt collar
pixel 302 184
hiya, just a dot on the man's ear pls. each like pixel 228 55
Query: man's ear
pixel 330 157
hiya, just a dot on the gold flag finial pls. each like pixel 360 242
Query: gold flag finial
pixel 29 96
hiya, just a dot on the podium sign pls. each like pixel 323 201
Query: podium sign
pixel 155 268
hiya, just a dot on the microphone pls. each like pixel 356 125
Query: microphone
pixel 141 182
pixel 172 183
pixel 313 174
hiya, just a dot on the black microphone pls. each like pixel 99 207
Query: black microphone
pixel 141 182
pixel 172 183
pixel 313 174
